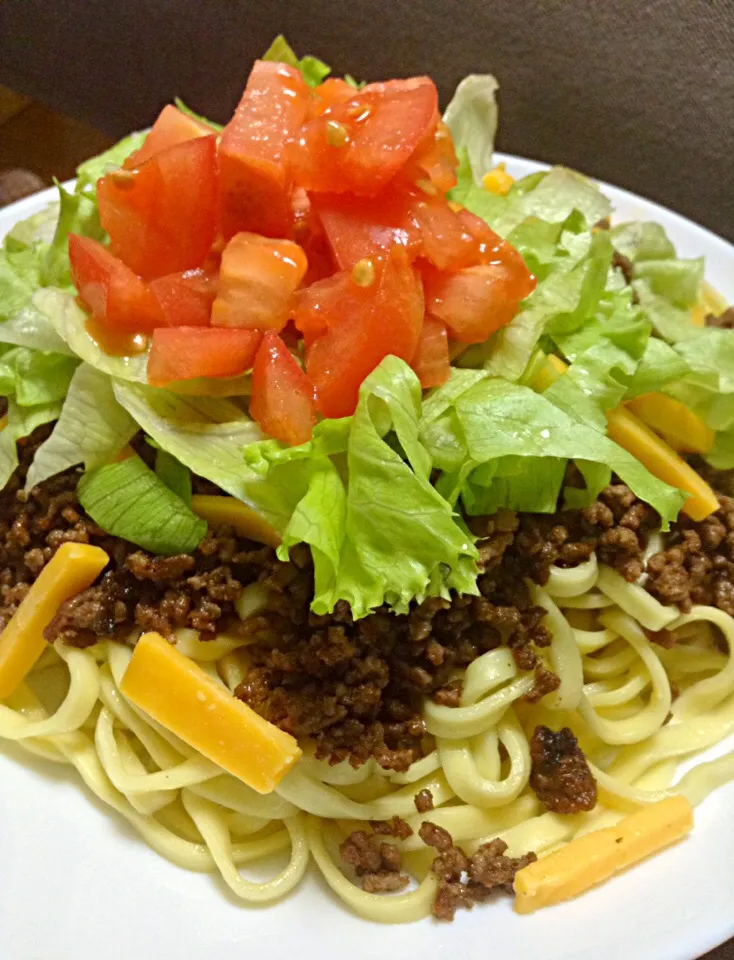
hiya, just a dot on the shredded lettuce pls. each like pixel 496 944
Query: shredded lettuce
pixel 92 428
pixel 129 501
pixel 69 321
pixel 206 434
pixel 472 116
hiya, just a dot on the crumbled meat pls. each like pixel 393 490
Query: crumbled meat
pixel 697 565
pixel 395 827
pixel 423 801
pixel 377 863
pixel 545 682
pixel 663 638
pixel 356 688
pixel 624 264
pixel 560 774
pixel 724 321
pixel 464 881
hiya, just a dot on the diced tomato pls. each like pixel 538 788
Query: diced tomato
pixel 182 353
pixel 359 227
pixel 185 298
pixel 436 159
pixel 257 279
pixel 476 301
pixel 359 145
pixel 361 325
pixel 116 297
pixel 255 187
pixel 308 232
pixel 282 395
pixel 331 91
pixel 447 243
pixel 431 360
pixel 162 217
pixel 172 126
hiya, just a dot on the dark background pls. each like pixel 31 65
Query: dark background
pixel 636 92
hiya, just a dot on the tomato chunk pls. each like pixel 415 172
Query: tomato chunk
pixel 331 91
pixel 351 328
pixel 116 297
pixel 255 187
pixel 185 299
pixel 476 301
pixel 431 359
pixel 172 126
pixel 282 395
pixel 162 216
pixel 359 227
pixel 358 145
pixel 436 159
pixel 257 279
pixel 446 241
pixel 182 353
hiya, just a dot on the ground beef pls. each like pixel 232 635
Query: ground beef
pixel 697 565
pixel 356 688
pixel 724 321
pixel 423 801
pixel 463 880
pixel 376 862
pixel 624 264
pixel 137 589
pixel 560 774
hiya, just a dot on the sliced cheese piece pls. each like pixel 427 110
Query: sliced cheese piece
pixel 177 693
pixel 73 568
pixel 682 428
pixel 598 855
pixel 663 462
pixel 638 439
pixel 3 422
pixel 228 510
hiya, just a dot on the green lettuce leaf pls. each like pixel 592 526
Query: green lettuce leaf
pixel 174 474
pixel 679 281
pixel 78 214
pixel 129 501
pixel 314 71
pixel 34 377
pixel 197 116
pixel 668 320
pixel 206 434
pixel 22 421
pixel 91 170
pixel 32 328
pixel 639 240
pixel 69 321
pixel 659 366
pixel 91 429
pixel 495 419
pixel 386 536
pixel 472 116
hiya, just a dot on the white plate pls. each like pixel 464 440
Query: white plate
pixel 77 884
